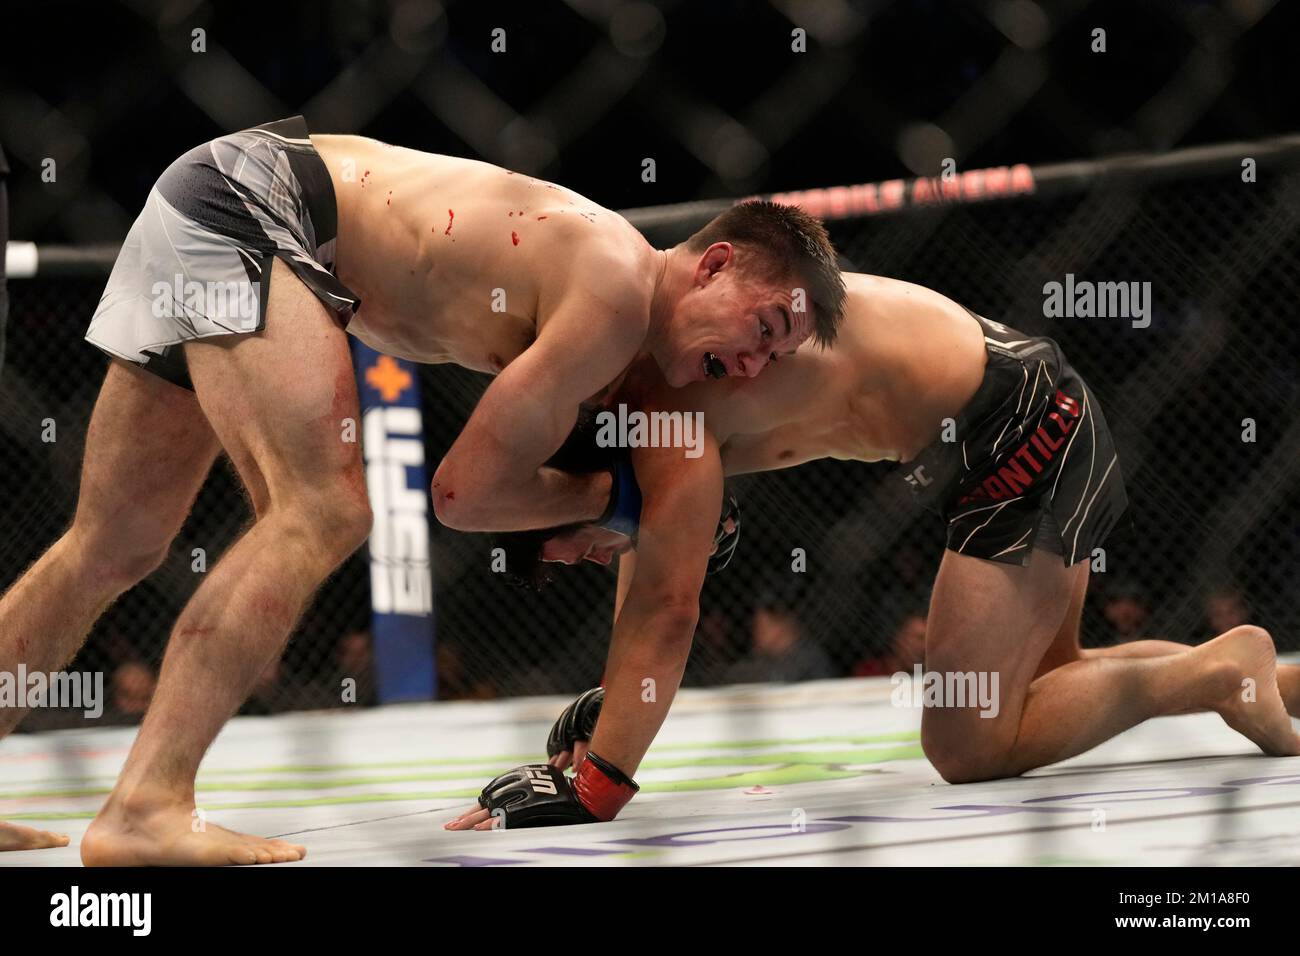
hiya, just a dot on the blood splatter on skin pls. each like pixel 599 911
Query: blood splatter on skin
pixel 451 215
pixel 510 214
pixel 540 218
pixel 450 496
pixel 390 198
pixel 364 176
pixel 514 237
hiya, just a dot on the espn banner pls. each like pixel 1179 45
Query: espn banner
pixel 401 581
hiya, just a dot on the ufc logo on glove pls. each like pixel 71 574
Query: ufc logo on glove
pixel 541 782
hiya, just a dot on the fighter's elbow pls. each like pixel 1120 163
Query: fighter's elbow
pixel 459 507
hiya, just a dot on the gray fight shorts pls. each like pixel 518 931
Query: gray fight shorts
pixel 197 261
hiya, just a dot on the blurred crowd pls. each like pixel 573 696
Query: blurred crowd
pixel 776 646
pixel 773 645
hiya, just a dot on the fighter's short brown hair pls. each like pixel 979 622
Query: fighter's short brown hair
pixel 783 241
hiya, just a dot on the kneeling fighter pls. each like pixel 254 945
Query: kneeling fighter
pixel 1029 485
pixel 225 316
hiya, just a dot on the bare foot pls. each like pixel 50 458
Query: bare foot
pixel 165 834
pixel 14 837
pixel 1256 709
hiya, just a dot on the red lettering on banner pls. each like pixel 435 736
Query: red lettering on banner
pixel 997 181
pixel 864 198
pixel 1022 179
pixel 837 201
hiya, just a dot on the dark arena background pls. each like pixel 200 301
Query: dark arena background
pixel 983 149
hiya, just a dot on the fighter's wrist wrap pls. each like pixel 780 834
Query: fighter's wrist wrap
pixel 623 513
pixel 602 788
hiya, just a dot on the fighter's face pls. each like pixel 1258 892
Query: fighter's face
pixel 588 543
pixel 730 324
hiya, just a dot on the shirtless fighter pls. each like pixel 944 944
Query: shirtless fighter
pixel 456 261
pixel 1028 485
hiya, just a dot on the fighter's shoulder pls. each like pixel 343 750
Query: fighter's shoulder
pixel 873 297
pixel 597 231
pixel 601 254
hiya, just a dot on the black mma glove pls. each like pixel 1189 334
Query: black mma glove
pixel 578 722
pixel 539 795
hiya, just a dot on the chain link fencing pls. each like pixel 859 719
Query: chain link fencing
pixel 1203 403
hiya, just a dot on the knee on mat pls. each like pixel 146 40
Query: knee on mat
pixel 961 761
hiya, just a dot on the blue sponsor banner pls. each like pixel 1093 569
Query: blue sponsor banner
pixel 401 579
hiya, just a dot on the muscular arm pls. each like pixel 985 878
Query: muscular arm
pixel 492 478
pixel 658 604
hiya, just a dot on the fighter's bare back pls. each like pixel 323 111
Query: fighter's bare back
pixel 906 358
pixel 461 261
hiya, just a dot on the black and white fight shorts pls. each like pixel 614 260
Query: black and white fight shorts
pixel 1030 463
pixel 197 261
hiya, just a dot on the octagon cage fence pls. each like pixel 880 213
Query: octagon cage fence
pixel 1202 400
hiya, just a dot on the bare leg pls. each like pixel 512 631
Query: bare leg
pixel 1144 648
pixel 992 618
pixel 1065 649
pixel 1121 692
pixel 277 401
pixel 147 452
pixel 1288 675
